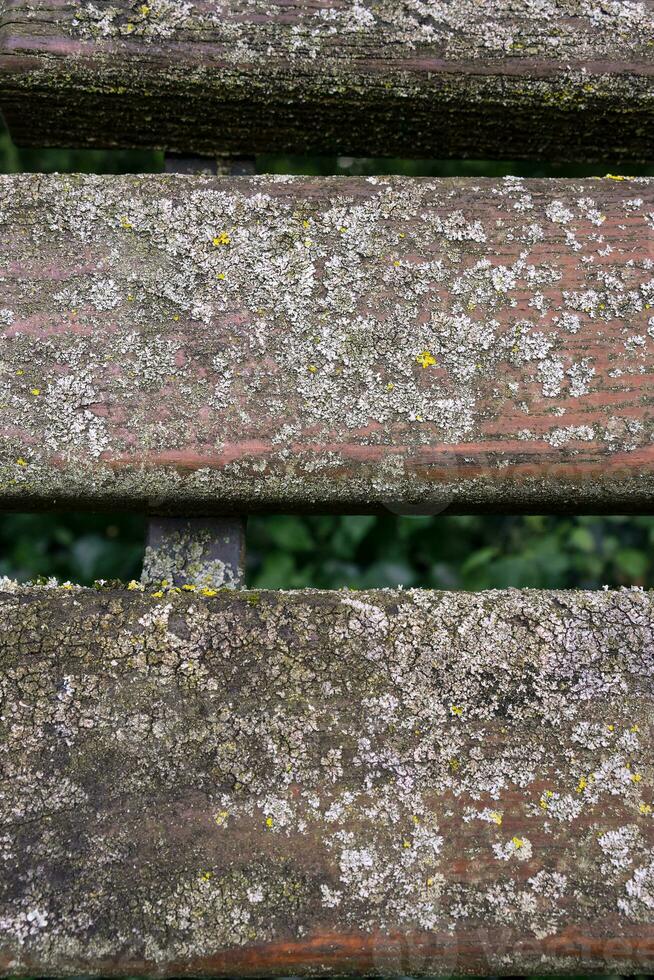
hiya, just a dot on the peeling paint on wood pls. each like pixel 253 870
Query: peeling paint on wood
pixel 400 782
pixel 557 79
pixel 200 345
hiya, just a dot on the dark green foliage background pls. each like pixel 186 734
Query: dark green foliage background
pixel 328 552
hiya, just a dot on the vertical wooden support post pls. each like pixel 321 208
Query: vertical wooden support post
pixel 206 552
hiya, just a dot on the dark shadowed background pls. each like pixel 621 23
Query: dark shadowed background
pixel 331 552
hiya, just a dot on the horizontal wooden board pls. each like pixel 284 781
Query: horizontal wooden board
pixel 554 80
pixel 394 782
pixel 211 345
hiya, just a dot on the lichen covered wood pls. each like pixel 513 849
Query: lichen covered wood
pixel 400 782
pixel 211 345
pixel 557 79
pixel 206 552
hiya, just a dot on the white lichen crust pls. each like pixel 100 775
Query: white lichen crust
pixel 384 782
pixel 208 344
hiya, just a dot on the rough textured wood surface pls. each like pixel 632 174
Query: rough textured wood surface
pixel 346 782
pixel 553 79
pixel 206 345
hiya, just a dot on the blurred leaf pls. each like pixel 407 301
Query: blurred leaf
pixel 633 563
pixel 581 538
pixel 289 533
pixel 478 558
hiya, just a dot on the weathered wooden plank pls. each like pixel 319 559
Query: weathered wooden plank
pixel 557 79
pixel 214 345
pixel 309 782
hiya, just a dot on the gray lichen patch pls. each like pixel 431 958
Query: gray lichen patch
pixel 214 344
pixel 258 771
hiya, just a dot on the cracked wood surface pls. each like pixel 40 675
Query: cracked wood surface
pixel 556 80
pixel 391 782
pixel 212 345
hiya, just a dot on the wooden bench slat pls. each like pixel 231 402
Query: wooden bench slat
pixel 555 81
pixel 393 782
pixel 211 345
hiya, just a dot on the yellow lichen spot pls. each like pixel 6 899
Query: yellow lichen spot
pixel 401 235
pixel 208 592
pixel 615 177
pixel 454 765
pixel 21 461
pixel 611 728
pixel 429 882
pixel 415 819
pixel 206 876
pixel 221 817
pixel 406 843
pixel 157 595
pixel 312 369
pixel 129 28
pixel 176 317
pixel 308 243
pixel 67 585
pixel 636 777
pixel 496 817
pixel 189 588
pixel 126 224
pixel 645 808
pixel 164 583
pixel 133 585
pixel 73 312
pixel 130 298
pixel 582 784
pixel 221 239
pixel 390 386
pixel 220 275
pixel 306 224
pixel 20 372
pixel 517 843
pixel 35 391
pixel 342 230
pixel 547 795
pixel 269 821
pixel 396 263
pixel 426 359
pixel 634 729
pixel 145 10
pixel 456 710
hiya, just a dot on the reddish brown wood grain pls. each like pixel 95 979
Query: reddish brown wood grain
pixel 207 345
